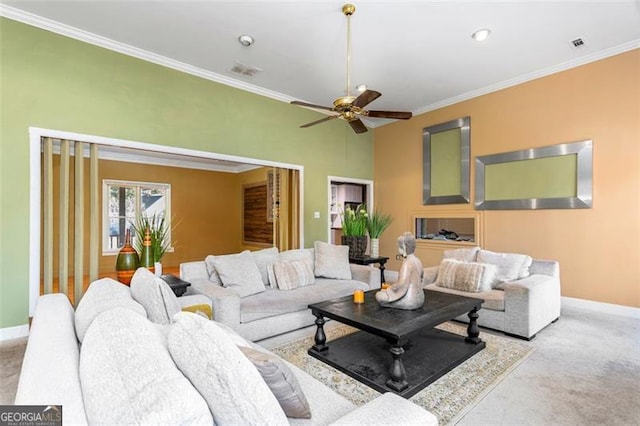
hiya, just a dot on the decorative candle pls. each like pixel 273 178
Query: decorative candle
pixel 358 296
pixel 385 286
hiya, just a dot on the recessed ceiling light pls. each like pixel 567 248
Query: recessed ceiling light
pixel 481 34
pixel 245 40
pixel 361 87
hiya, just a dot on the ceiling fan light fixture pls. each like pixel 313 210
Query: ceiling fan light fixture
pixel 361 87
pixel 481 35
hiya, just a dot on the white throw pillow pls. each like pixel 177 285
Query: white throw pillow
pixel 209 261
pixel 128 376
pixel 102 295
pixel 298 254
pixel 155 295
pixel 332 261
pixel 472 277
pixel 240 273
pixel 263 259
pixel 511 266
pixel 228 381
pixel 282 382
pixel 462 254
pixel 290 275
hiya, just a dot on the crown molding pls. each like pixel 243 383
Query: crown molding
pixel 116 46
pixel 583 60
pixel 96 40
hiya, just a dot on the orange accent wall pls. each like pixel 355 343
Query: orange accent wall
pixel 598 248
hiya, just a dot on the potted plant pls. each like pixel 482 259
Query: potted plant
pixel 354 230
pixel 377 223
pixel 159 233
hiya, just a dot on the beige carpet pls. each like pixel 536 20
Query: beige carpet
pixel 11 354
pixel 449 398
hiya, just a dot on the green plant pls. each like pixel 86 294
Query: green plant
pixel 377 223
pixel 159 234
pixel 354 222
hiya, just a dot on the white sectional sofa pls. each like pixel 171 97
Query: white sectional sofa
pixel 522 297
pixel 269 310
pixel 124 368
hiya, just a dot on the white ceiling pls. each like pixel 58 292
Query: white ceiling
pixel 419 54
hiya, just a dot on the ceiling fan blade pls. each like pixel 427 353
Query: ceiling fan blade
pixel 366 98
pixel 358 126
pixel 304 104
pixel 322 120
pixel 399 115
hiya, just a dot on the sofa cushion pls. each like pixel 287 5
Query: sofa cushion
pixel 298 254
pixel 293 274
pixel 332 261
pixel 276 302
pixel 282 382
pixel 102 295
pixel 240 273
pixel 155 295
pixel 128 376
pixel 493 298
pixel 511 266
pixel 462 254
pixel 228 381
pixel 471 277
pixel 263 259
pixel 209 261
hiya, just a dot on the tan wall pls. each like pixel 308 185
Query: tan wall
pixel 598 248
pixel 206 208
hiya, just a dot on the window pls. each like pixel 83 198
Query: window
pixel 123 201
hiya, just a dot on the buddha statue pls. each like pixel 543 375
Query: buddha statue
pixel 406 293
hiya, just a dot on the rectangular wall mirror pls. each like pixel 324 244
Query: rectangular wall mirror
pixel 445 153
pixel 550 177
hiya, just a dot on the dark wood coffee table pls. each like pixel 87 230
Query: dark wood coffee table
pixel 397 350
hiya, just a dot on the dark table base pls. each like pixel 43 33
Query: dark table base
pixel 428 356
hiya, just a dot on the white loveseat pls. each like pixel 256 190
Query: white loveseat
pixel 524 296
pixel 270 310
pixel 123 368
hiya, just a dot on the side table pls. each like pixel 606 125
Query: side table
pixel 177 285
pixel 368 260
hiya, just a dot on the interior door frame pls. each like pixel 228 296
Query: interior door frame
pixel 331 179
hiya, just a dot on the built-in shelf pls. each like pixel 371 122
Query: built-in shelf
pixel 428 226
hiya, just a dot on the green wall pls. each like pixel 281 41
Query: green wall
pixel 55 82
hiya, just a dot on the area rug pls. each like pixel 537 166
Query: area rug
pixel 449 398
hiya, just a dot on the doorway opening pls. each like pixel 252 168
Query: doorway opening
pixel 345 192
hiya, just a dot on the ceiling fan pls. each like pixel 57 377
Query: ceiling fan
pixel 351 108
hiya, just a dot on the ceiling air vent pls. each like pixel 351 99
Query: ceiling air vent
pixel 244 70
pixel 577 42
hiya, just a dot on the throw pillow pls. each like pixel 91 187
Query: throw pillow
pixel 240 273
pixel 263 258
pixel 209 261
pixel 463 254
pixel 511 266
pixel 294 274
pixel 128 376
pixel 472 277
pixel 155 295
pixel 332 261
pixel 102 295
pixel 228 381
pixel 298 254
pixel 282 382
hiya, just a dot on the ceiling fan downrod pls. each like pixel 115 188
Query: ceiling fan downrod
pixel 348 10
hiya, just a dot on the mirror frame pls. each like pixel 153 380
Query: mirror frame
pixel 464 124
pixel 584 179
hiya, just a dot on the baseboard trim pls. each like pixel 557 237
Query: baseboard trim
pixel 16 332
pixel 607 308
